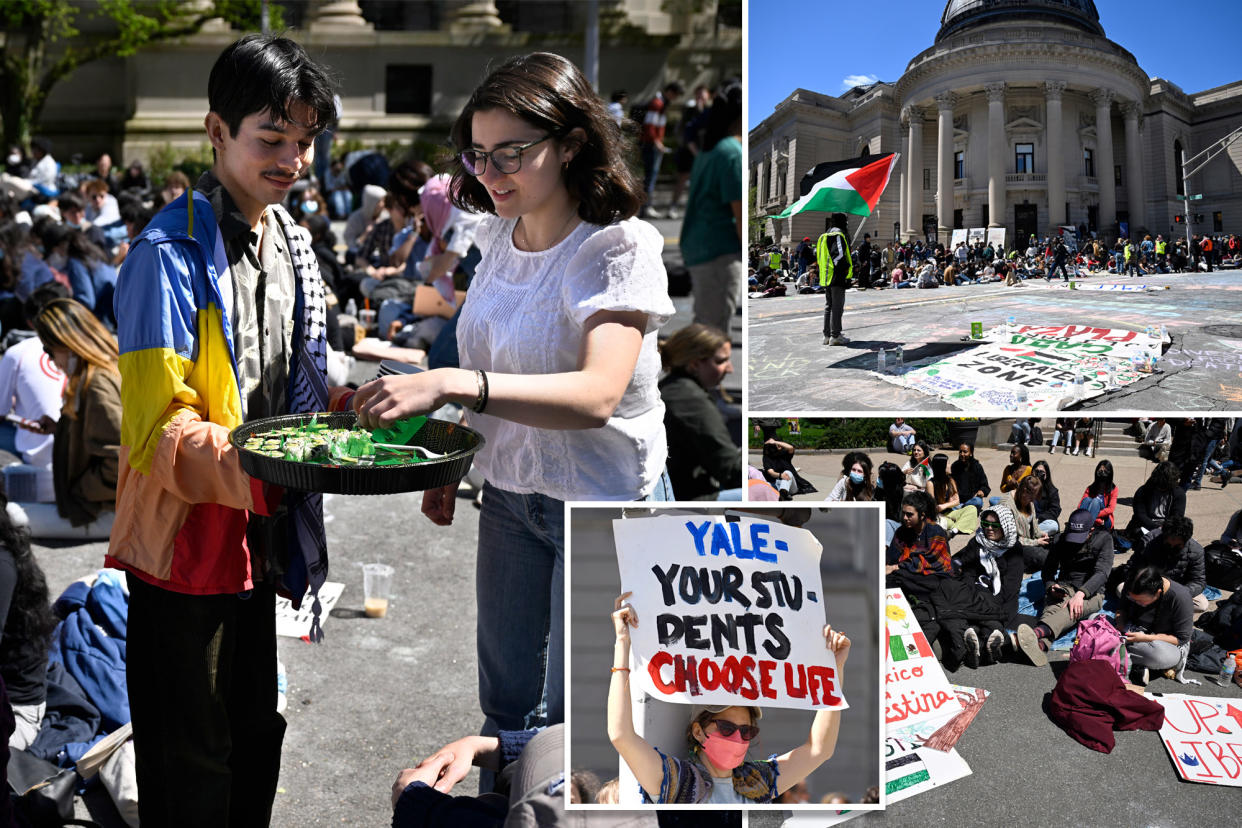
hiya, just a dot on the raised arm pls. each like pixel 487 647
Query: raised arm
pixel 637 752
pixel 801 762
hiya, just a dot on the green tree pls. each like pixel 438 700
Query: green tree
pixel 42 44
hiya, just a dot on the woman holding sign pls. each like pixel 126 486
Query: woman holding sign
pixel 718 738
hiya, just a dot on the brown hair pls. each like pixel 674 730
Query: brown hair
pixel 705 718
pixel 1030 487
pixel 695 341
pixel 95 186
pixel 70 324
pixel 550 93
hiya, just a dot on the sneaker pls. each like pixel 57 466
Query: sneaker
pixel 971 656
pixel 1090 452
pixel 1052 449
pixel 1075 451
pixel 840 340
pixel 1066 450
pixel 1139 675
pixel 1031 646
pixel 996 646
pixel 674 213
pixel 827 340
pixel 652 213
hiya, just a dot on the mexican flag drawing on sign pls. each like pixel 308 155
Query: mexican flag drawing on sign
pixel 853 186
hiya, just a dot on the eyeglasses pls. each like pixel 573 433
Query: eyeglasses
pixel 987 524
pixel 727 728
pixel 507 160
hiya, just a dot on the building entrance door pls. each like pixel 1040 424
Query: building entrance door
pixel 1026 224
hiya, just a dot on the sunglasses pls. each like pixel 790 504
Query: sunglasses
pixel 988 524
pixel 507 160
pixel 727 728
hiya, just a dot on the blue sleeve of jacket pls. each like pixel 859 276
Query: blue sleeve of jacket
pixel 82 284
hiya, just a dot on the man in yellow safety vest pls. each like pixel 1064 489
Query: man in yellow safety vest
pixel 836 268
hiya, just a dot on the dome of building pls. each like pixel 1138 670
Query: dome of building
pixel 964 14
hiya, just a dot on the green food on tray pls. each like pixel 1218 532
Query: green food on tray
pixel 319 443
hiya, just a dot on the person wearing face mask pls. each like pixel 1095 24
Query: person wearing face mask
pixel 703 460
pixel 1100 496
pixel 855 483
pixel 1158 499
pixel 718 737
pixel 971 607
pixel 1048 503
pixel 85 452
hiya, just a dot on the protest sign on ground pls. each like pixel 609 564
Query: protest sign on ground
pixel 729 612
pixel 1114 287
pixel 915 687
pixel 1203 735
pixel 943 731
pixel 911 769
pixel 1025 367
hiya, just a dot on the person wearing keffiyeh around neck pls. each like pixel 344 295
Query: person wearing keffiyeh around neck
pixel 716 770
pixel 974 608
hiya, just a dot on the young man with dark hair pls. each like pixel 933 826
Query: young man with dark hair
pixel 919 553
pixel 220 313
pixel 1179 556
pixel 1074 576
pixel 1157 618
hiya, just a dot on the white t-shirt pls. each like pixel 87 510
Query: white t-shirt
pixel 525 315
pixel 30 386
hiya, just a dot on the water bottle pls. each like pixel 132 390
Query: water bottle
pixel 901 359
pixel 351 308
pixel 1080 387
pixel 880 362
pixel 1162 332
pixel 1011 324
pixel 1150 332
pixel 1227 669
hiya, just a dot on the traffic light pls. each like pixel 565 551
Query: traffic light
pixel 1177 219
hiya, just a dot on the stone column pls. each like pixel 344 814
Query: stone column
pixel 472 16
pixel 944 166
pixel 903 182
pixel 1130 112
pixel 336 14
pixel 996 153
pixel 1056 154
pixel 760 168
pixel 1103 99
pixel 914 172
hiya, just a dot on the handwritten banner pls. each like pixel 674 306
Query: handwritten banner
pixel 1204 737
pixel 911 769
pixel 728 612
pixel 1027 367
pixel 915 687
pixel 1111 287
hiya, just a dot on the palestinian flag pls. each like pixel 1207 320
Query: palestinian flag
pixel 851 186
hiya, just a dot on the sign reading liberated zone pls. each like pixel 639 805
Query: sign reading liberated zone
pixel 728 612
pixel 1203 735
pixel 1036 366
pixel 915 687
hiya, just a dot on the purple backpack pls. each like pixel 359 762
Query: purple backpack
pixel 1097 638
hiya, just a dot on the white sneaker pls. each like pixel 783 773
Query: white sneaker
pixel 653 213
pixel 1089 452
pixel 674 213
pixel 1075 451
pixel 1052 448
pixel 840 340
pixel 1066 450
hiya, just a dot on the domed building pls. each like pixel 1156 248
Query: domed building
pixel 1021 115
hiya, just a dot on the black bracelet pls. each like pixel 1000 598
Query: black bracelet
pixel 481 402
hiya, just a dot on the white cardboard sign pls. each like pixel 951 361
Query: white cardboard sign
pixel 1203 735
pixel 729 612
pixel 915 687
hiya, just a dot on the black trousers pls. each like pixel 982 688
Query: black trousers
pixel 834 306
pixel 202 694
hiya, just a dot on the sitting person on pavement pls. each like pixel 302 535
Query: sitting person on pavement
pixel 992 562
pixel 1048 504
pixel 1063 433
pixel 1157 617
pixel 919 553
pixel 1157 499
pixel 1018 468
pixel 1100 496
pixel 918 469
pixel 901 436
pixel 1033 540
pixel 855 483
pixel 955 518
pixel 1174 551
pixel 1074 576
pixel 1158 440
pixel 970 477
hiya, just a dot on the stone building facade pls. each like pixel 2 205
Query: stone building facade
pixel 1022 115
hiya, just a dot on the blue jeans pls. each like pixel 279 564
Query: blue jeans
pixel 1094 505
pixel 1020 432
pixel 8 440
pixel 977 502
pixel 520 589
pixel 1198 477
pixel 652 157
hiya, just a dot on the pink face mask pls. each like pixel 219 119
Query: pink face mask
pixel 725 754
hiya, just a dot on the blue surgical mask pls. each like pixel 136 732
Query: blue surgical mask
pixel 856 478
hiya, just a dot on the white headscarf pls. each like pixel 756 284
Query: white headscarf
pixel 990 550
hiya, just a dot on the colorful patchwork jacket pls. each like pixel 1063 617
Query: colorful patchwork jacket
pixel 182 497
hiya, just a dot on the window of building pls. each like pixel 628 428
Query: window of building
pixel 1024 158
pixel 781 175
pixel 958 221
pixel 1177 167
pixel 1218 221
pixel 407 89
pixel 926 178
pixel 984 220
pixel 1093 218
pixel 1088 162
pixel 1117 175
pixel 959 165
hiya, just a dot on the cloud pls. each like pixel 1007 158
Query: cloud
pixel 851 81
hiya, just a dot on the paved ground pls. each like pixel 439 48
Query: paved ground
pixel 790 370
pixel 1025 769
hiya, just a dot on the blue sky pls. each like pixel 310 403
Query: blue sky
pixel 818 44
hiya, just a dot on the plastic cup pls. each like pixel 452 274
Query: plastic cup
pixel 377 582
pixel 367 317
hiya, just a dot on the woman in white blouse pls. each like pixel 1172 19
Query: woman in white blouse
pixel 558 358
